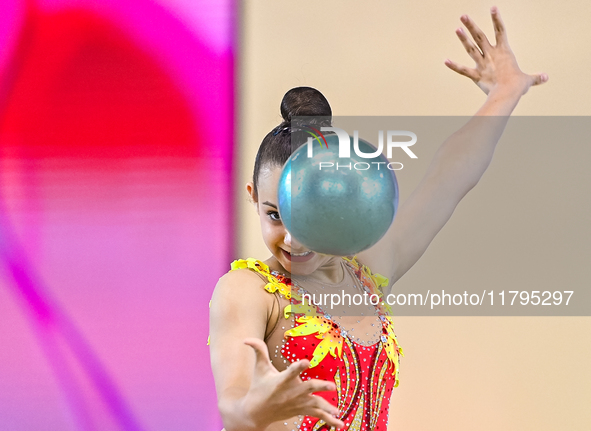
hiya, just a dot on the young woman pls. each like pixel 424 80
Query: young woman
pixel 280 364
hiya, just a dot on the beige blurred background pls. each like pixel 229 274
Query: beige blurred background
pixel 386 58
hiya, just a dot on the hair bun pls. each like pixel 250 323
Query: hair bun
pixel 304 102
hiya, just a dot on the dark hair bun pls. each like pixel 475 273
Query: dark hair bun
pixel 304 102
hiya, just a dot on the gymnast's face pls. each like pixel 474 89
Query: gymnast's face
pixel 290 254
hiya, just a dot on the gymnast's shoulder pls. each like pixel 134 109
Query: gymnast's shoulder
pixel 241 288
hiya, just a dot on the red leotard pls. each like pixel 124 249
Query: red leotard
pixel 364 373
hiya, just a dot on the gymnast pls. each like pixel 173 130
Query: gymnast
pixel 280 363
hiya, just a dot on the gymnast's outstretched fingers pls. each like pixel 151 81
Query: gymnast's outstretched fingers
pixel 274 396
pixel 495 66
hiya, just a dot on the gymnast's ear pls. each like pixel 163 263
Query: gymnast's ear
pixel 252 196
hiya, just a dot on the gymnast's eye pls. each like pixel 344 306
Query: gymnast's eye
pixel 273 215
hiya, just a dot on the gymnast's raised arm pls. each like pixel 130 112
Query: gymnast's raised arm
pixel 463 158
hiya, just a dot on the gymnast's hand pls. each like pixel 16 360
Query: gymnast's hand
pixel 495 65
pixel 274 396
